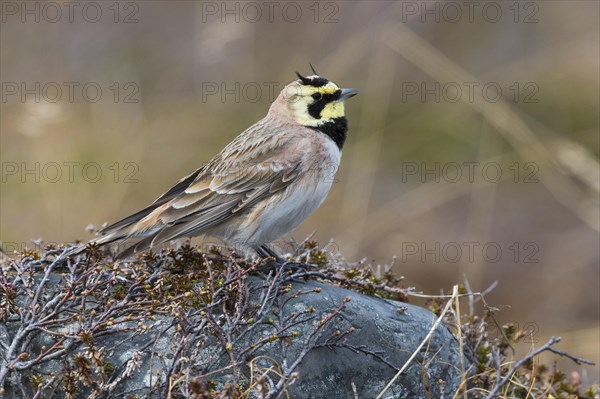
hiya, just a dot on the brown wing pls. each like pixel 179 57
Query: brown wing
pixel 166 197
pixel 178 189
pixel 223 188
pixel 211 201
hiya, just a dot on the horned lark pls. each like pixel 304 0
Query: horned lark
pixel 259 187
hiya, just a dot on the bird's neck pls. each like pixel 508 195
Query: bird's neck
pixel 336 129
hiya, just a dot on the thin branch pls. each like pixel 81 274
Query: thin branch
pixel 423 342
pixel 546 347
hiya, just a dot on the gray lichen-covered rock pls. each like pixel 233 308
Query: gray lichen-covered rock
pixel 140 331
pixel 385 335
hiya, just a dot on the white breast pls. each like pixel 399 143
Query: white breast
pixel 300 199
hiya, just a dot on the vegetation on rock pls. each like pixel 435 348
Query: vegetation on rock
pixel 67 306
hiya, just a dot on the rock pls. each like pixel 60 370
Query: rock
pixel 326 342
pixel 390 330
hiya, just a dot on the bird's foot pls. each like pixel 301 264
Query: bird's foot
pixel 275 263
pixel 281 265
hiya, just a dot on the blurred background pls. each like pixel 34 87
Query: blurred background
pixel 473 147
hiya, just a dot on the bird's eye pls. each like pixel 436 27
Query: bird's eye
pixel 317 96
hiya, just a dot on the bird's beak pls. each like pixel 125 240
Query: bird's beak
pixel 346 94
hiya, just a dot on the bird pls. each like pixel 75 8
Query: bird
pixel 262 185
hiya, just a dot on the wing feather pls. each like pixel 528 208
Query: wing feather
pixel 221 189
pixel 238 198
pixel 164 198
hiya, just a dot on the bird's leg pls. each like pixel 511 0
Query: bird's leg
pixel 264 251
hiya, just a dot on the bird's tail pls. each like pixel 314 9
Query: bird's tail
pixel 77 250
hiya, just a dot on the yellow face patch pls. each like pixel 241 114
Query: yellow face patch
pixel 300 98
pixel 333 110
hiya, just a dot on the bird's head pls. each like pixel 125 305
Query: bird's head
pixel 313 100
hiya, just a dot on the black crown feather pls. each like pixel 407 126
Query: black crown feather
pixel 316 81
